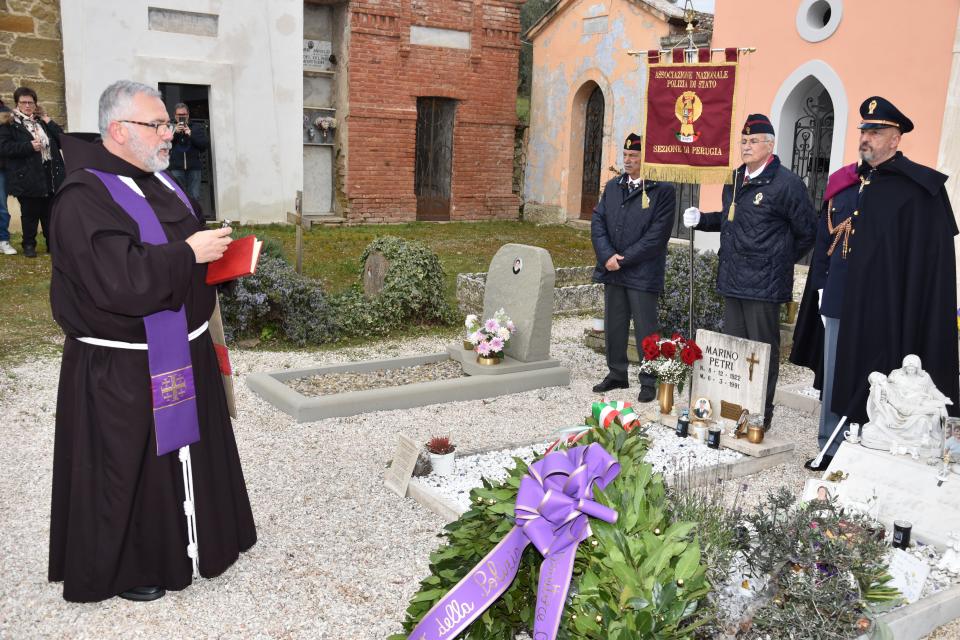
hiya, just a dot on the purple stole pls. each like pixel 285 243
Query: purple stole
pixel 168 347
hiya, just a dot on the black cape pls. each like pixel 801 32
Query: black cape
pixel 900 294
pixel 116 516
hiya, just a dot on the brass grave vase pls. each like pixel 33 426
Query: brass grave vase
pixel 665 396
pixel 489 360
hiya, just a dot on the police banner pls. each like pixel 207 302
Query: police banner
pixel 688 129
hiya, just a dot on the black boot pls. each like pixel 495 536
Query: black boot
pixel 609 383
pixel 824 463
pixel 647 393
pixel 30 251
pixel 144 594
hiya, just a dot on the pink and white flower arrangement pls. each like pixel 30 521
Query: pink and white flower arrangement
pixel 490 336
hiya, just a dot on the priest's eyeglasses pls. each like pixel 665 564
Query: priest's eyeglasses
pixel 160 127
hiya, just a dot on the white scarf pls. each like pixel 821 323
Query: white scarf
pixel 34 129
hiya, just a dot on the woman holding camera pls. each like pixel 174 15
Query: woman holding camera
pixel 29 142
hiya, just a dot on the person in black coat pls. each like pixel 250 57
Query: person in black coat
pixel 888 288
pixel 766 225
pixel 30 144
pixel 630 229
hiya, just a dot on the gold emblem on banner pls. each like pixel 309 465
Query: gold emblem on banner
pixel 757 199
pixel 871 107
pixel 687 109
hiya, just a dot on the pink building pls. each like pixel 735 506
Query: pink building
pixel 817 60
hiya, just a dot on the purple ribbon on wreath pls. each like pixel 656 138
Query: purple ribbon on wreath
pixel 554 505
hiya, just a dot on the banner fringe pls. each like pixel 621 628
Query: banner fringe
pixel 687 174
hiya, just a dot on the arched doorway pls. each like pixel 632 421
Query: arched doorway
pixel 807 120
pixel 592 153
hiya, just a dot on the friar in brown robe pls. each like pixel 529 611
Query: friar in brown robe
pixel 117 519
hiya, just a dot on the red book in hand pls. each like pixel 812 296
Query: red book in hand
pixel 240 259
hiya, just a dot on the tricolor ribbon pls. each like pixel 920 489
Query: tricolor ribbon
pixel 554 505
pixel 605 413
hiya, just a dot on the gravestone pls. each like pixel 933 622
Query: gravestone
pixel 520 280
pixel 374 273
pixel 733 371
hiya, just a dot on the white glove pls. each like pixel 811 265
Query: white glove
pixel 691 217
pixel 823 318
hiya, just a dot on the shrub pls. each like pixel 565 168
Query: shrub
pixel 277 299
pixel 412 292
pixel 674 307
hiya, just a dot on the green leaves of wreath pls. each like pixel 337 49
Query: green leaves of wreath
pixel 642 576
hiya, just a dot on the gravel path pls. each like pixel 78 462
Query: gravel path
pixel 338 556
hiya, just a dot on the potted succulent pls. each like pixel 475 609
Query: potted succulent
pixel 441 451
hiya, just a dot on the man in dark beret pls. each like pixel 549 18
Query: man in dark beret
pixel 884 272
pixel 766 225
pixel 630 229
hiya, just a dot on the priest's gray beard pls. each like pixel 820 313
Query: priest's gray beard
pixel 150 156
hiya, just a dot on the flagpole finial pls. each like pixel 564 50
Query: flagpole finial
pixel 688 14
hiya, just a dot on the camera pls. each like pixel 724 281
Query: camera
pixel 181 119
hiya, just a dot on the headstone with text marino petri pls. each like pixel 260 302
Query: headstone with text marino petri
pixel 521 280
pixel 732 374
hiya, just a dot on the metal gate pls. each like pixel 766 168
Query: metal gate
pixel 592 154
pixel 434 157
pixel 812 140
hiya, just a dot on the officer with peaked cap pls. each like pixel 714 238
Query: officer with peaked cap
pixel 767 223
pixel 885 273
pixel 630 229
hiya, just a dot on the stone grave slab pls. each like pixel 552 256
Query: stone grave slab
pixel 796 396
pixel 771 445
pixel 272 387
pixel 398 476
pixel 520 280
pixel 899 488
pixel 733 370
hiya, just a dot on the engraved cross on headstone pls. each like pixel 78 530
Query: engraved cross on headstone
pixel 752 360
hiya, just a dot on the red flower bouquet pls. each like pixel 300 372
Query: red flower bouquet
pixel 669 360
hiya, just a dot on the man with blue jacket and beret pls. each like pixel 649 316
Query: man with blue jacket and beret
pixel 630 229
pixel 766 225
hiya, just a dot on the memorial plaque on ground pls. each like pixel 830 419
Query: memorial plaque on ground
pixel 520 280
pixel 899 488
pixel 398 475
pixel 733 371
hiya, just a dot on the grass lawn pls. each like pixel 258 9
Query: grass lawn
pixel 331 255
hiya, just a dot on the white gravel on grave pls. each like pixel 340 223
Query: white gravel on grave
pixel 667 454
pixel 338 556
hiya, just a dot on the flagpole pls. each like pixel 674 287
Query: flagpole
pixel 691 55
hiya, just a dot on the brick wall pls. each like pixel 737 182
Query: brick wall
pixel 387 74
pixel 31 53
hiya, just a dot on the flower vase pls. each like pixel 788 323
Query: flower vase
pixel 490 360
pixel 443 464
pixel 665 397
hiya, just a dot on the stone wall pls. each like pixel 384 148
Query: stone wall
pixel 31 53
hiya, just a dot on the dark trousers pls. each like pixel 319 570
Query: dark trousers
pixel 759 321
pixel 620 305
pixel 33 211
